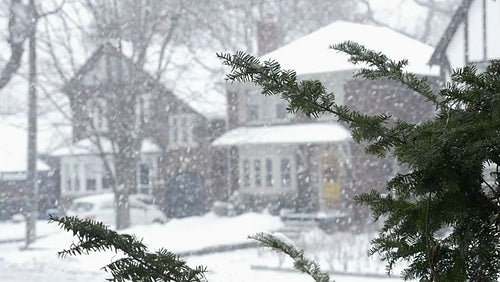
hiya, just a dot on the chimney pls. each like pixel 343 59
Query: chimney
pixel 267 35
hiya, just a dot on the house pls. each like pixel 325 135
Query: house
pixel 471 37
pixel 13 177
pixel 306 165
pixel 176 164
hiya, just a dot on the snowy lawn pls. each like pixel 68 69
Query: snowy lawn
pixel 237 267
pixel 42 264
pixel 16 230
pixel 198 232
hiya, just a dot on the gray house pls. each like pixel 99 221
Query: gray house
pixel 312 166
pixel 176 160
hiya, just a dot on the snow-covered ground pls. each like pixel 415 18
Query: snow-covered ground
pixel 41 262
pixel 16 230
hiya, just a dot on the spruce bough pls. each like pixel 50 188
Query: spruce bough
pixel 138 264
pixel 442 217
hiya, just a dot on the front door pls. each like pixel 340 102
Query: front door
pixel 331 174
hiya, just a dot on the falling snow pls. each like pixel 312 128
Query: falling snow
pixel 133 106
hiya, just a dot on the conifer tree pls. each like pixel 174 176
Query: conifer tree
pixel 443 216
pixel 300 261
pixel 137 263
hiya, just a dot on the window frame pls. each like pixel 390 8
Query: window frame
pixel 248 174
pixel 181 130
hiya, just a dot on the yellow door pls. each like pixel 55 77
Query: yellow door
pixel 331 183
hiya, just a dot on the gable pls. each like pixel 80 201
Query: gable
pixel 107 65
pixel 311 54
pixel 471 36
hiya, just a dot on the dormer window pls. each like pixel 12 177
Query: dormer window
pixel 181 130
pixel 98 115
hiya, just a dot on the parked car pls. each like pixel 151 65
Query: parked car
pixel 102 208
pixel 18 217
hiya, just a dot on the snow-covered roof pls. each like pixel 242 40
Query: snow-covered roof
pixel 311 53
pixel 89 147
pixel 284 134
pixel 13 150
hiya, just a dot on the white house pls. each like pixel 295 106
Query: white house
pixel 83 171
pixel 473 36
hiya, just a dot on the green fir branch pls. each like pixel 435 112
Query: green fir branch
pixel 301 262
pixel 138 264
pixel 383 67
pixel 311 98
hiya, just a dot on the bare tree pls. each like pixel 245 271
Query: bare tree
pixel 19 25
pixel 133 31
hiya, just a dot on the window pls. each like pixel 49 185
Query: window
pixel 107 179
pixel 174 129
pixel 181 130
pixel 266 171
pixel 286 178
pixel 269 173
pixel 281 112
pixel 184 129
pixel 98 115
pixel 144 174
pixel 90 176
pixel 246 173
pixel 68 173
pixel 253 112
pixel 75 176
pixel 257 173
pixel 143 107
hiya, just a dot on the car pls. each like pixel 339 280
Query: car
pixel 102 208
pixel 18 217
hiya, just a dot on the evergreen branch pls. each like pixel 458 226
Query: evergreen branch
pixel 311 98
pixel 301 263
pixel 138 265
pixel 383 67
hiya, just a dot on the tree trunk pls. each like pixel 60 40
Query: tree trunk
pixel 125 176
pixel 128 143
